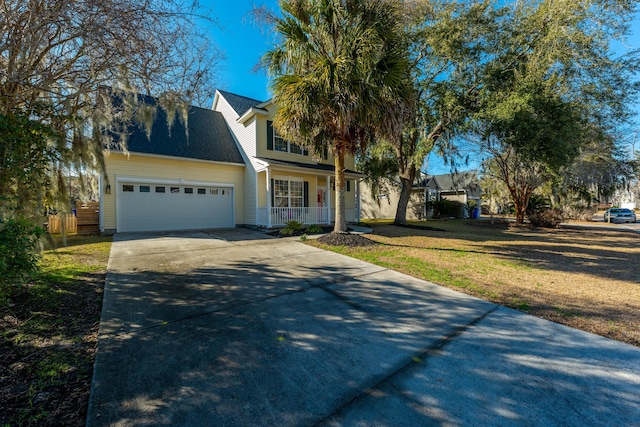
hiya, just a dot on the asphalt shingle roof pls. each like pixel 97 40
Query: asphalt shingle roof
pixel 321 167
pixel 209 138
pixel 241 104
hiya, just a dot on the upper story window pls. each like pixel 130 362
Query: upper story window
pixel 280 144
pixel 277 143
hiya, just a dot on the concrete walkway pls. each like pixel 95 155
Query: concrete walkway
pixel 230 328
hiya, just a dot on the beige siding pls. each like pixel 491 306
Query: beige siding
pixel 262 190
pixel 386 204
pixel 289 157
pixel 148 167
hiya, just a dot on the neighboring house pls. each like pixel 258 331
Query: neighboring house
pixel 232 170
pixel 460 187
pixel 384 204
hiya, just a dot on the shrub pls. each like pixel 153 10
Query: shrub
pixel 18 250
pixel 293 227
pixel 314 229
pixel 547 218
pixel 537 203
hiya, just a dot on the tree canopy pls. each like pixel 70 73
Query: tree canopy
pixel 62 62
pixel 337 65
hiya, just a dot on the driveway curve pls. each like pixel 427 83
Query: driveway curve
pixel 232 328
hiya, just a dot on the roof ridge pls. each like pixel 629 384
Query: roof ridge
pixel 223 92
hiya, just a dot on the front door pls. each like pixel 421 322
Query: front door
pixel 322 201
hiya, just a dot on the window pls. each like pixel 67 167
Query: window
pixel 279 144
pixel 213 191
pixel 127 188
pixel 175 189
pixel 288 194
pixel 145 189
pixel 202 191
pixel 160 189
pixel 188 190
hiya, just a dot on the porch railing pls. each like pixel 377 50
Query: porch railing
pixel 280 216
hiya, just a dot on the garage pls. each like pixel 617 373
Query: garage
pixel 156 206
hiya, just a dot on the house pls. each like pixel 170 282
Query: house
pixel 459 187
pixel 384 204
pixel 231 169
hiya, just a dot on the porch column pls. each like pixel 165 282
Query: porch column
pixel 358 200
pixel 329 198
pixel 268 177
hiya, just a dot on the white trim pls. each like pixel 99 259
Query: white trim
pixel 162 156
pixel 251 112
pixel 180 181
pixel 288 178
pixel 101 203
pixel 310 171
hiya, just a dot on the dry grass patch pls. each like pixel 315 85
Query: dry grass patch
pixel 587 279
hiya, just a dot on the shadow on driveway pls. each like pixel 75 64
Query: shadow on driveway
pixel 214 331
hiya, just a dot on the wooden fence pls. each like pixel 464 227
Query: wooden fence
pixel 85 221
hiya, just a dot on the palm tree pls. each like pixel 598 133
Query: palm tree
pixel 337 67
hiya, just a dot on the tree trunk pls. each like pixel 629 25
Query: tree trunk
pixel 406 179
pixel 341 220
pixel 519 212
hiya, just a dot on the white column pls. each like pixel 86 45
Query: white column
pixel 358 200
pixel 269 189
pixel 329 198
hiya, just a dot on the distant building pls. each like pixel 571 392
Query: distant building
pixel 460 187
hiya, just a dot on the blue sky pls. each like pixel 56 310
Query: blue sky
pixel 244 42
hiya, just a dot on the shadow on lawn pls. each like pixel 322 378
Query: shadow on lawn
pixel 602 253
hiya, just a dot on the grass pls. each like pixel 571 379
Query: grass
pixel 48 334
pixel 584 278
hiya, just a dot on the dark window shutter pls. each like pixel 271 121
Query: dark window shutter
pixel 306 194
pixel 325 153
pixel 305 152
pixel 348 185
pixel 269 135
pixel 273 191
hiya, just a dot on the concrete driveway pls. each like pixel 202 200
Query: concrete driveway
pixel 231 328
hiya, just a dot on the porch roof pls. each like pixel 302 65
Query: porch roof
pixel 314 169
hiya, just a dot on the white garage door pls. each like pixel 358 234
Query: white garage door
pixel 157 207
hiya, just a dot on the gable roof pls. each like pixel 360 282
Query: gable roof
pixel 457 181
pixel 240 104
pixel 453 181
pixel 209 137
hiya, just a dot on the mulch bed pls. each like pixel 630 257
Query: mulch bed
pixel 345 239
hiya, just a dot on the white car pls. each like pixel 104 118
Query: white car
pixel 619 215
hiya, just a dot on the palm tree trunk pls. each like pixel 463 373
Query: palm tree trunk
pixel 341 220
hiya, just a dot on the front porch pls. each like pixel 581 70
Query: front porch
pixel 304 193
pixel 278 217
